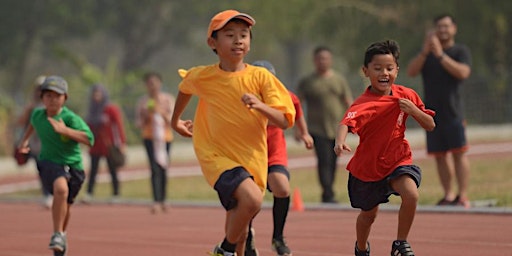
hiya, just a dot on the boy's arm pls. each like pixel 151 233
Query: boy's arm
pixel 302 133
pixel 23 146
pixel 60 127
pixel 341 136
pixel 184 128
pixel 425 120
pixel 274 116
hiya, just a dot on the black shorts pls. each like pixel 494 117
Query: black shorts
pixel 280 169
pixel 227 184
pixel 448 135
pixel 367 195
pixel 49 172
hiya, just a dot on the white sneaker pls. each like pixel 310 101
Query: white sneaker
pixel 87 198
pixel 48 201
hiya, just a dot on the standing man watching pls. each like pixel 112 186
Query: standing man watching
pixel 444 65
pixel 326 95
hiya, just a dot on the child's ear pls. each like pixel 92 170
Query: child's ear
pixel 365 71
pixel 211 42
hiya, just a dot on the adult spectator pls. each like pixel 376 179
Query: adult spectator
pixel 326 95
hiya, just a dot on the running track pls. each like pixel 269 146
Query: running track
pixel 129 229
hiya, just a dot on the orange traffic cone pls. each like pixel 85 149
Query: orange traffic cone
pixel 297 203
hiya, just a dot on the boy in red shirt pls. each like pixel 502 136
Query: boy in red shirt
pixel 278 181
pixel 382 164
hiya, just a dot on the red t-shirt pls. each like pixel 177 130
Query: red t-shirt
pixel 276 142
pixel 380 125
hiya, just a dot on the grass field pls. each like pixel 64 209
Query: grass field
pixel 489 181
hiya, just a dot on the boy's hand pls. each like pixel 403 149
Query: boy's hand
pixel 23 148
pixel 407 106
pixel 338 149
pixel 184 128
pixel 58 125
pixel 307 139
pixel 251 101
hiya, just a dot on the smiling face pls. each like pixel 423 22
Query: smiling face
pixel 232 42
pixel 446 29
pixel 382 71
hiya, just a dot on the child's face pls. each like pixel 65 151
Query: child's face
pixel 233 41
pixel 53 101
pixel 382 72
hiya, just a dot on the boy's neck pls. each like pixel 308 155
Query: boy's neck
pixel 53 113
pixel 232 67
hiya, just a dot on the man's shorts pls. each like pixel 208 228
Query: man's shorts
pixel 447 136
pixel 227 184
pixel 367 195
pixel 279 169
pixel 49 172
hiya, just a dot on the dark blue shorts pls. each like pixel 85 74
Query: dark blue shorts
pixel 227 184
pixel 448 135
pixel 280 169
pixel 367 195
pixel 49 172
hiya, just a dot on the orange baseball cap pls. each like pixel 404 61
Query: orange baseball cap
pixel 220 19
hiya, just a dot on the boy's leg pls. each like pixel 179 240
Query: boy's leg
pixel 364 223
pixel 407 188
pixel 60 203
pixel 278 182
pixel 280 187
pixel 249 198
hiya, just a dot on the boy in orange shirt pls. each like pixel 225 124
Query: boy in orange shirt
pixel 236 102
pixel 382 164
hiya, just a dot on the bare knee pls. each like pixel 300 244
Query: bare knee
pixel 60 188
pixel 367 217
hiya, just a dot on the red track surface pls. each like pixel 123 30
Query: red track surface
pixel 131 230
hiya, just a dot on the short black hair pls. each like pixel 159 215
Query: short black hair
pixel 382 47
pixel 442 16
pixel 151 74
pixel 320 49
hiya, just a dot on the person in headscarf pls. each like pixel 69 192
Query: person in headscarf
pixel 106 122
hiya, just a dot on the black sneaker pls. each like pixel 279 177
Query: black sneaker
pixel 280 247
pixel 250 245
pixel 362 253
pixel 61 253
pixel 402 248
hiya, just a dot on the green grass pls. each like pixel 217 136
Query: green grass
pixel 489 180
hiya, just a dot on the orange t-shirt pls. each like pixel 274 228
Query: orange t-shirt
pixel 226 133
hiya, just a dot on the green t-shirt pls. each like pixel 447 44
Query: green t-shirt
pixel 55 147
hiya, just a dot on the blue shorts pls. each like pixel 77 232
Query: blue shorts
pixel 49 172
pixel 367 195
pixel 227 184
pixel 279 169
pixel 448 135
